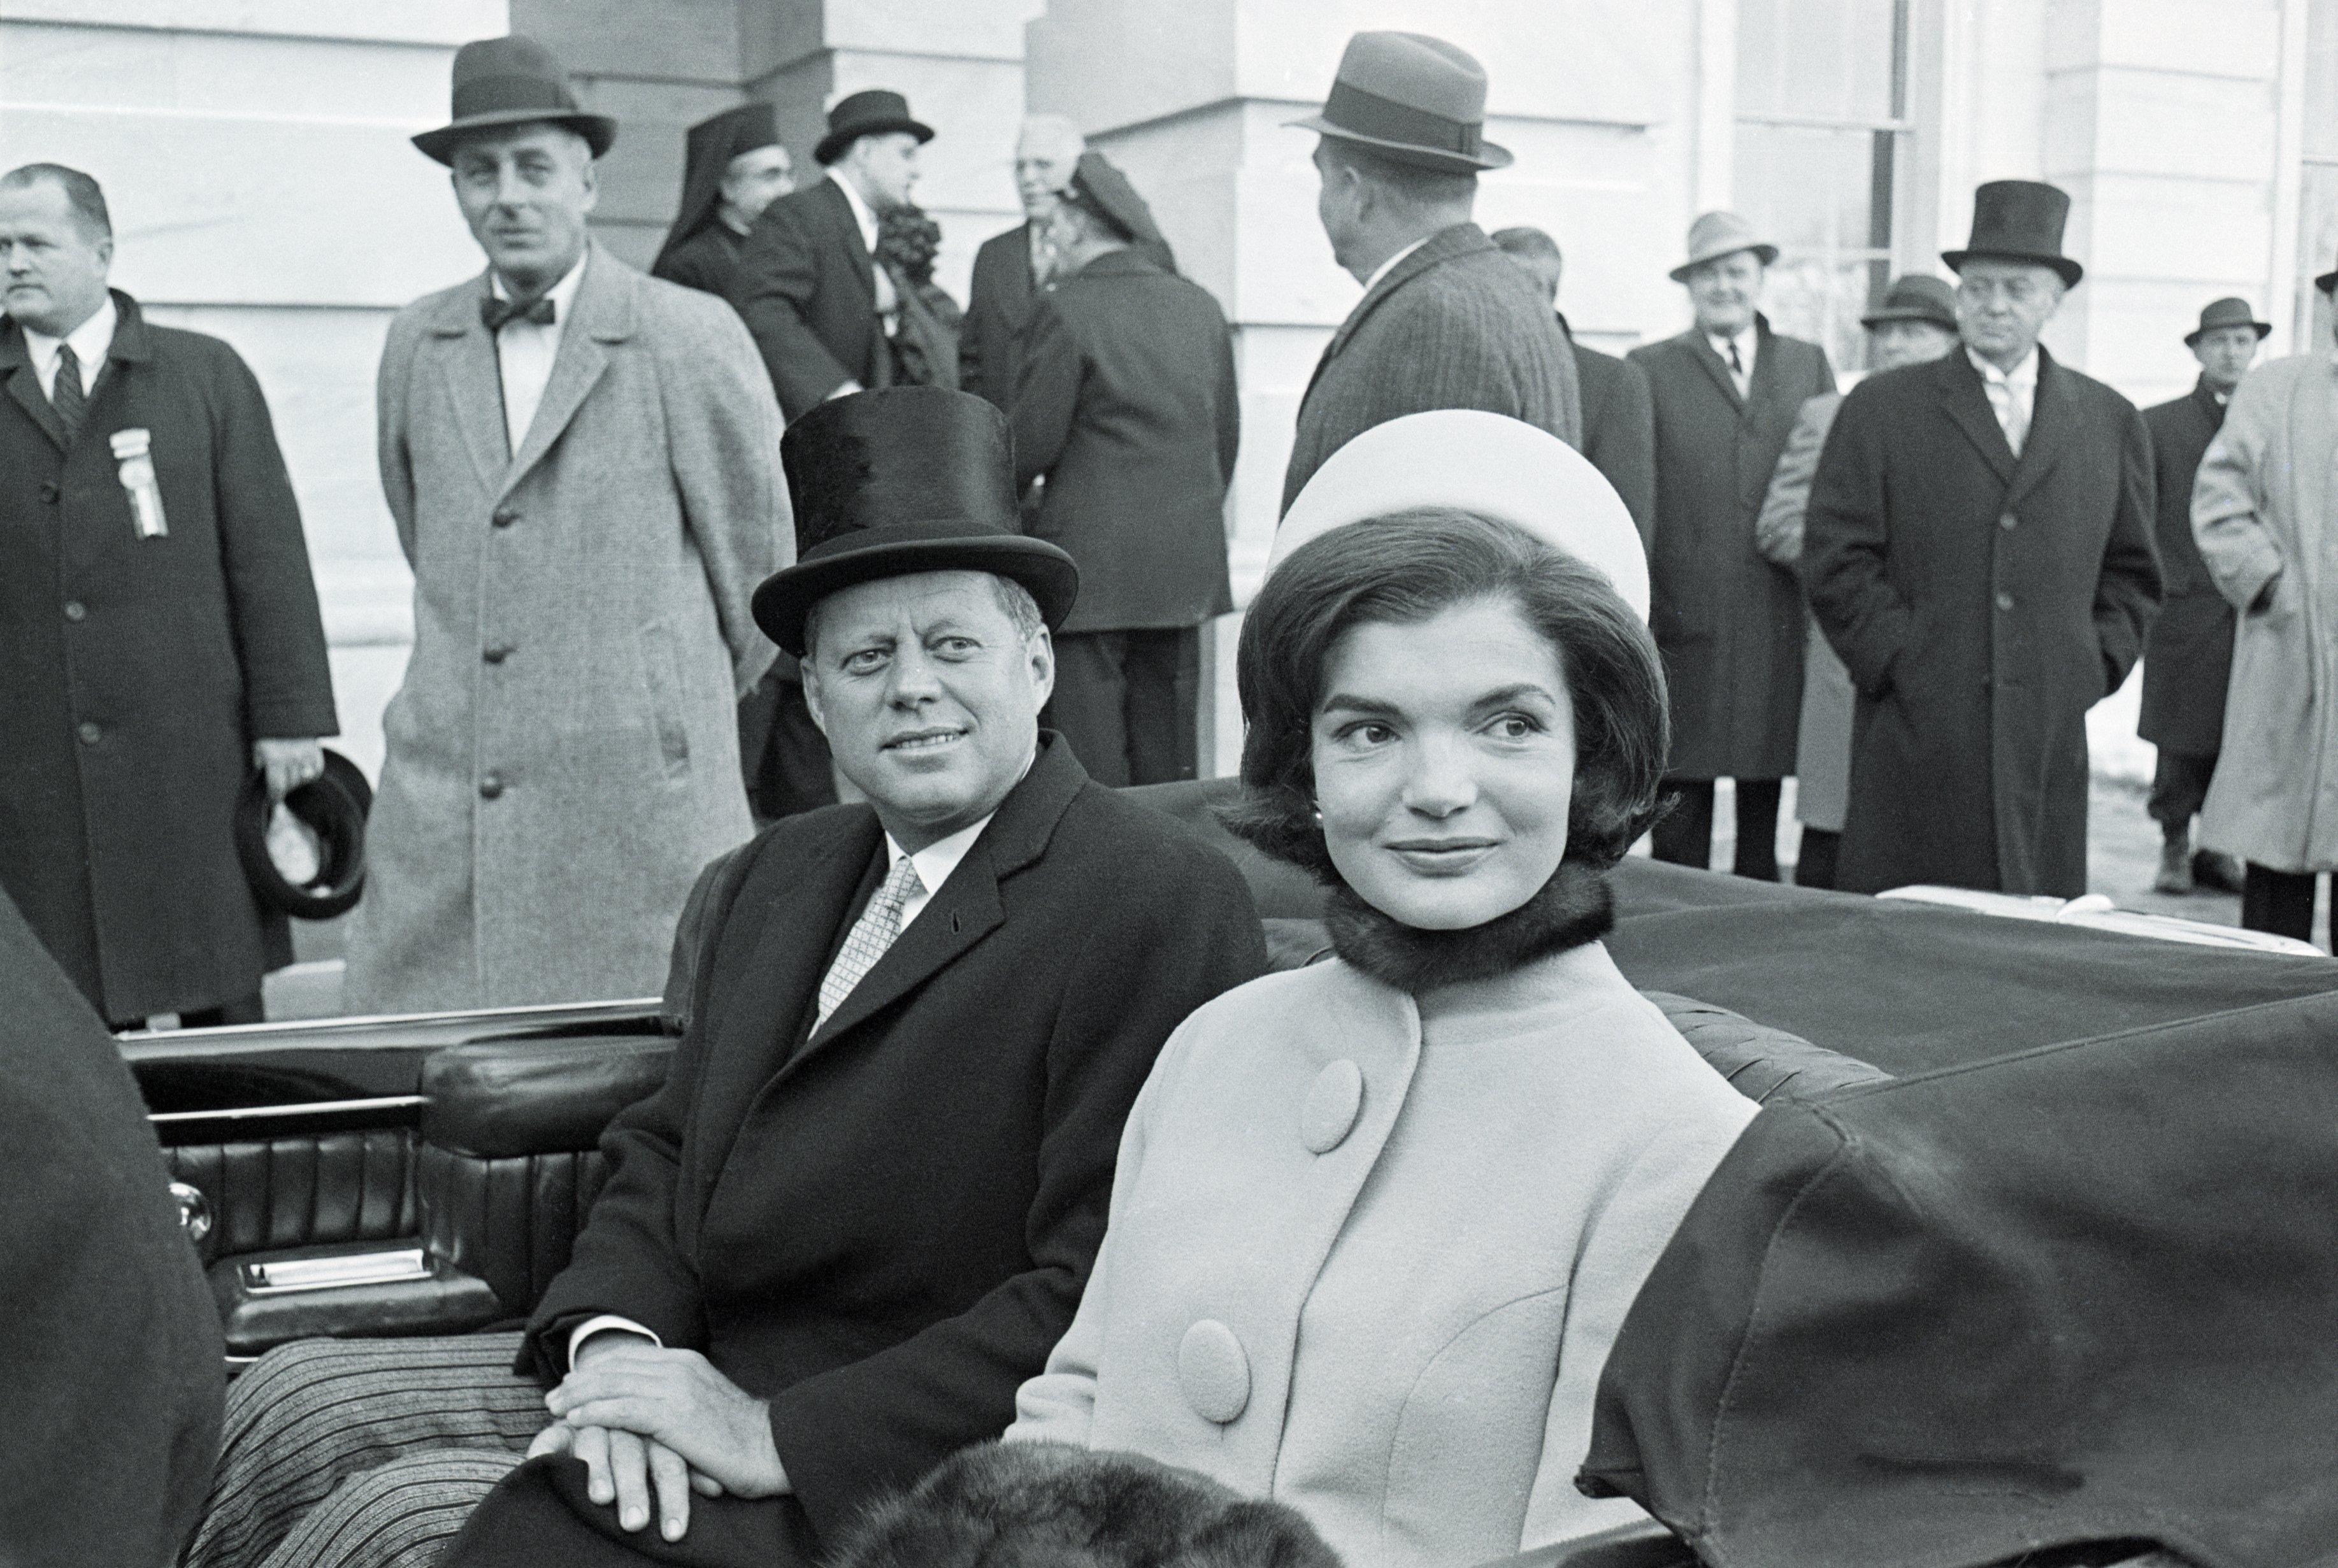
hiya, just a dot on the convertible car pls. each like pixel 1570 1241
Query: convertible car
pixel 412 1175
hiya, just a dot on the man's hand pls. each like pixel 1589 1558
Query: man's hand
pixel 626 1469
pixel 289 764
pixel 679 1400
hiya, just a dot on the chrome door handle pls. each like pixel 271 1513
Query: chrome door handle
pixel 194 1211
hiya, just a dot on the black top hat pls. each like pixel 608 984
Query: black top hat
pixel 713 143
pixel 513 81
pixel 1412 99
pixel 906 479
pixel 1098 187
pixel 869 113
pixel 334 805
pixel 2234 312
pixel 1917 297
pixel 2019 221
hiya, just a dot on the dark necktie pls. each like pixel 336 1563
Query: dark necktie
pixel 65 394
pixel 495 312
pixel 1737 365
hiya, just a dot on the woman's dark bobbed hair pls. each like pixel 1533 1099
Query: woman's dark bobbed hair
pixel 1409 566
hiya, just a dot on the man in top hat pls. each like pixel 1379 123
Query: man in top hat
pixel 162 634
pixel 581 463
pixel 1619 418
pixel 2264 517
pixel 1730 622
pixel 1916 324
pixel 1012 269
pixel 1978 549
pixel 862 1209
pixel 1446 320
pixel 1125 414
pixel 2189 660
pixel 733 168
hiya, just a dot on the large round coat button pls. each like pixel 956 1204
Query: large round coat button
pixel 1330 1113
pixel 505 517
pixel 491 786
pixel 90 733
pixel 1213 1371
pixel 75 610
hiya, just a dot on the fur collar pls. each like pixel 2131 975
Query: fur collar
pixel 1575 907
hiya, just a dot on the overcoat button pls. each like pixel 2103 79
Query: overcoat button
pixel 1330 1113
pixel 2005 601
pixel 75 610
pixel 2009 522
pixel 49 491
pixel 1213 1372
pixel 496 653
pixel 89 733
pixel 505 516
pixel 491 786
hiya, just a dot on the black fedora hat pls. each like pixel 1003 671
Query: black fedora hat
pixel 2019 221
pixel 513 81
pixel 1413 100
pixel 871 113
pixel 2327 280
pixel 1915 296
pixel 1098 187
pixel 903 480
pixel 334 806
pixel 2231 312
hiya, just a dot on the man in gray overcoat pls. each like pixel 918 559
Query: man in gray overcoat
pixel 584 468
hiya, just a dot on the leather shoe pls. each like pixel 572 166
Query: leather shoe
pixel 2174 867
pixel 2217 871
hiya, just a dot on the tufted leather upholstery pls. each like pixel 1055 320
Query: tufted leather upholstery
pixel 511 1221
pixel 300 1192
pixel 1760 1063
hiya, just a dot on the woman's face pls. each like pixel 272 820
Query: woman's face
pixel 1444 756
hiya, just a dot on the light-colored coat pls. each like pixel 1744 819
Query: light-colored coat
pixel 563 755
pixel 1822 741
pixel 2261 513
pixel 1400 1334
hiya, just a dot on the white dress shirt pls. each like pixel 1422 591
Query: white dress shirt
pixel 888 304
pixel 524 352
pixel 1385 268
pixel 92 341
pixel 2012 398
pixel 1746 343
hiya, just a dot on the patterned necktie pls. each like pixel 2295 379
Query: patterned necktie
pixel 872 934
pixel 495 313
pixel 1736 369
pixel 65 394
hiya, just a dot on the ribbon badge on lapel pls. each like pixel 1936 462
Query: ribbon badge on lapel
pixel 133 449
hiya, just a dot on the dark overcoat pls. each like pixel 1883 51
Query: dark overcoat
pixel 808 292
pixel 1619 429
pixel 1127 405
pixel 997 306
pixel 707 262
pixel 1728 622
pixel 2188 662
pixel 135 674
pixel 1457 324
pixel 885 1227
pixel 1982 604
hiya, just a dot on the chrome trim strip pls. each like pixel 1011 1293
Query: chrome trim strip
pixel 303 1108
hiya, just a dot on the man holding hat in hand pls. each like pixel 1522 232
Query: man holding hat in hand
pixel 1978 549
pixel 1446 320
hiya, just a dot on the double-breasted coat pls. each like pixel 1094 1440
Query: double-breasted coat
pixel 2189 660
pixel 135 674
pixel 1728 622
pixel 1619 427
pixel 808 292
pixel 1456 324
pixel 2261 517
pixel 881 1226
pixel 1128 406
pixel 564 754
pixel 1982 604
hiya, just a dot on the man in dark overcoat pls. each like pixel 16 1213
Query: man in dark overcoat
pixel 1979 549
pixel 1619 413
pixel 1446 320
pixel 733 168
pixel 158 630
pixel 1011 269
pixel 1127 414
pixel 862 1209
pixel 1729 621
pixel 2188 661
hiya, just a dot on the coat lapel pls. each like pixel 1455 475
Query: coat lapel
pixel 1439 247
pixel 24 384
pixel 2052 413
pixel 1967 407
pixel 605 314
pixel 466 358
pixel 1700 349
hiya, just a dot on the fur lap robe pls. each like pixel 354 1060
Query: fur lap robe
pixel 1054 1505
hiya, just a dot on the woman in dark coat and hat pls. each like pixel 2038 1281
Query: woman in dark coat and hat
pixel 735 168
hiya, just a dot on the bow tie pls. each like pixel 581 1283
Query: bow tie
pixel 495 312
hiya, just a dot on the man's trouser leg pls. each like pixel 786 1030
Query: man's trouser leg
pixel 1757 828
pixel 1089 707
pixel 2179 783
pixel 1684 834
pixel 2281 902
pixel 1163 673
pixel 353 1452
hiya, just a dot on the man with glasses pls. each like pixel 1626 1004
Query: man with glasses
pixel 1979 549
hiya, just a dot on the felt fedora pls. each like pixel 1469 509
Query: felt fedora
pixel 2230 312
pixel 1489 463
pixel 871 113
pixel 2019 221
pixel 1098 187
pixel 513 81
pixel 1412 99
pixel 1916 297
pixel 333 806
pixel 1717 234
pixel 903 480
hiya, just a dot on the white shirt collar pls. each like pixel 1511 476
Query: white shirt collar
pixel 1385 268
pixel 1747 340
pixel 92 341
pixel 562 294
pixel 867 221
pixel 2022 378
pixel 935 863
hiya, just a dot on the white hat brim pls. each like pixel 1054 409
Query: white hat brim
pixel 1473 461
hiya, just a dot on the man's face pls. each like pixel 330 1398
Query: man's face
pixel 1724 292
pixel 1338 204
pixel 928 696
pixel 525 193
pixel 2002 306
pixel 754 179
pixel 1044 161
pixel 52 266
pixel 1893 344
pixel 888 168
pixel 2224 355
